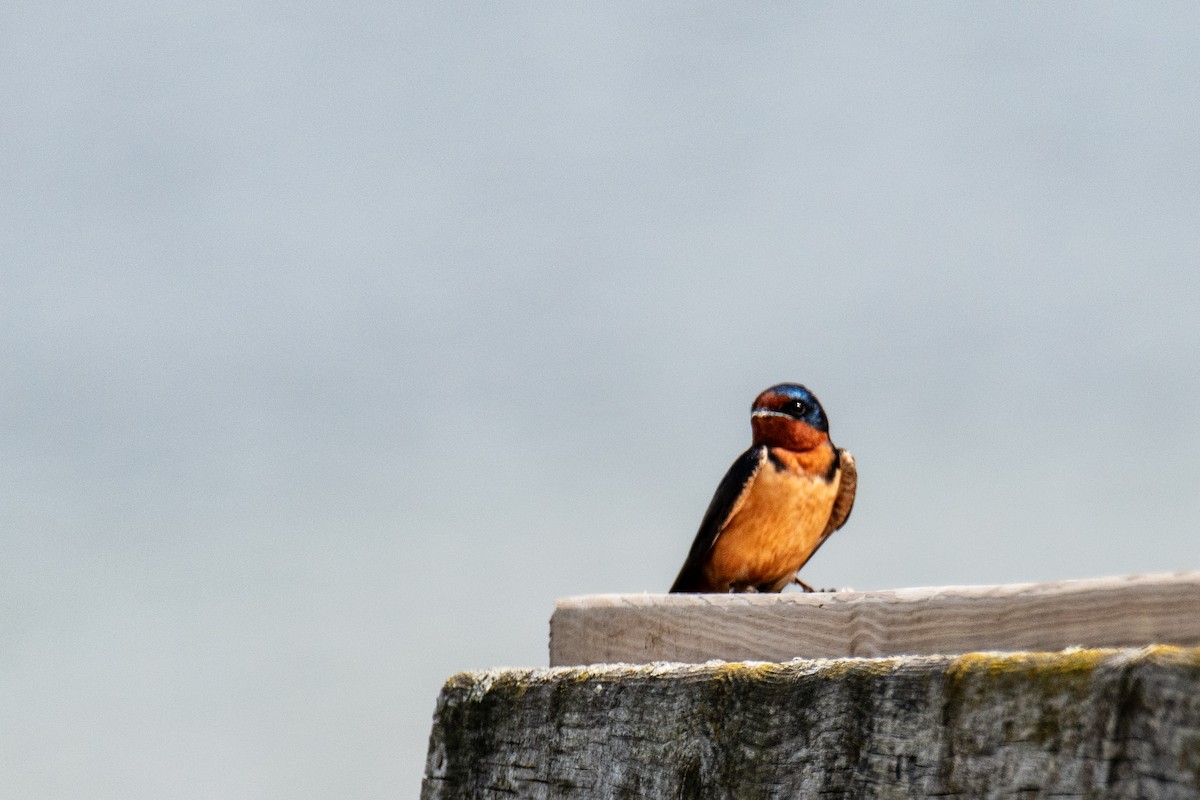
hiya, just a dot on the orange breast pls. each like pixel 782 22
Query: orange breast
pixel 773 531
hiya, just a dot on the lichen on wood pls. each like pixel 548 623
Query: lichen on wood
pixel 1079 723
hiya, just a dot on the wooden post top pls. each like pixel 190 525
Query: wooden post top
pixel 1080 723
pixel 1123 611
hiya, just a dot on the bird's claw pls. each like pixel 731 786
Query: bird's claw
pixel 808 589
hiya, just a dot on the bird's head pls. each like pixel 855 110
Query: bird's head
pixel 789 415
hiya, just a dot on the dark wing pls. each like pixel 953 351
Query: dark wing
pixel 845 497
pixel 843 503
pixel 724 502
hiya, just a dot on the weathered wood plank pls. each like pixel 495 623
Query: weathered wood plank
pixel 1082 724
pixel 1125 611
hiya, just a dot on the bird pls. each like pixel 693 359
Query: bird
pixel 778 503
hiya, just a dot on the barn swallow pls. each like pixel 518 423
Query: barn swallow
pixel 777 504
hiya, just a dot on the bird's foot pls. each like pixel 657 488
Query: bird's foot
pixel 808 589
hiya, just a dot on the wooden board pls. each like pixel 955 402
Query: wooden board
pixel 1100 724
pixel 1126 611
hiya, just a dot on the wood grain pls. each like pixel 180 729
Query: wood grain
pixel 1098 724
pixel 1126 611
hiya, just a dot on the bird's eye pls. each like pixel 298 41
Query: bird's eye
pixel 799 407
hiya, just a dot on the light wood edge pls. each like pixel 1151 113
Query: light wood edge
pixel 885 596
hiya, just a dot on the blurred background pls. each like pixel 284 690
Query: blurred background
pixel 337 341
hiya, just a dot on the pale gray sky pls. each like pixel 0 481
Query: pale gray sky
pixel 339 340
